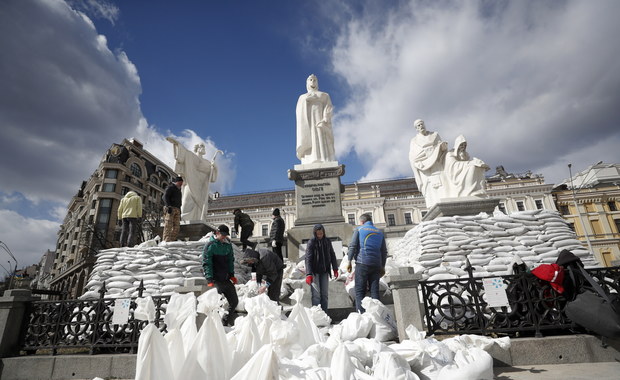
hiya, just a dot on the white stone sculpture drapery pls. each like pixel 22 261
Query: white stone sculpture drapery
pixel 197 174
pixel 426 156
pixel 465 175
pixel 444 174
pixel 315 139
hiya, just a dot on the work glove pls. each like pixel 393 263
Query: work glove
pixel 349 267
pixel 382 272
pixel 309 279
pixel 169 210
pixel 210 282
pixel 335 273
pixel 273 244
pixel 234 280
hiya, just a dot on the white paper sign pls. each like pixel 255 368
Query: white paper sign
pixel 120 316
pixel 495 292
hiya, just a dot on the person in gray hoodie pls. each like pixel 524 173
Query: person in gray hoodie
pixel 320 264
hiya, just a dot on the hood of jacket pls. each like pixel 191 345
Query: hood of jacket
pixel 318 227
pixel 131 194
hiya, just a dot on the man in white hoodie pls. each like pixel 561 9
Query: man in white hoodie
pixel 129 211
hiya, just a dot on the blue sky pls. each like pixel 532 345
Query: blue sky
pixel 532 85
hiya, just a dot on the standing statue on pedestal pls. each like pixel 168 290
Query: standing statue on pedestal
pixel 315 139
pixel 465 175
pixel 198 173
pixel 426 156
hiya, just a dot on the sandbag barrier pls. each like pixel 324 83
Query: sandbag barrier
pixel 458 306
pixel 84 324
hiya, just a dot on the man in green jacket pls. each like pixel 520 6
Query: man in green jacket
pixel 129 210
pixel 218 262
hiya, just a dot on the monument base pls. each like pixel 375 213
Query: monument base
pixel 461 206
pixel 193 230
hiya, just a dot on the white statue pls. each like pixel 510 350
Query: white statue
pixel 465 175
pixel 315 139
pixel 197 173
pixel 426 156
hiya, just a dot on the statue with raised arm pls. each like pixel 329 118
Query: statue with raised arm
pixel 464 175
pixel 426 156
pixel 315 139
pixel 198 173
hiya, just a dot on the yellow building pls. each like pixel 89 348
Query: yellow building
pixel 590 202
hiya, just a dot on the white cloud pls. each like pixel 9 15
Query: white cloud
pixel 28 239
pixel 529 84
pixel 65 99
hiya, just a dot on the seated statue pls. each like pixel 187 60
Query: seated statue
pixel 464 175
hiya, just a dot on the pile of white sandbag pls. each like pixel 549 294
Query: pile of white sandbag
pixel 439 248
pixel 162 268
pixel 267 345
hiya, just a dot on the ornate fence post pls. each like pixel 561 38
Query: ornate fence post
pixel 13 306
pixel 404 286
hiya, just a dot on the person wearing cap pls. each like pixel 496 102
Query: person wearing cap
pixel 276 235
pixel 172 209
pixel 320 264
pixel 268 265
pixel 244 221
pixel 218 262
pixel 369 251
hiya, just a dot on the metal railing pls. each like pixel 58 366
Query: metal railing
pixel 458 306
pixel 84 324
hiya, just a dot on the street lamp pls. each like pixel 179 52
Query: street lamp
pixel 6 248
pixel 585 232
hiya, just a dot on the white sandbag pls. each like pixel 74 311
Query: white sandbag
pixel 210 356
pixel 356 326
pixel 471 364
pixel 308 332
pixel 384 327
pixel 390 365
pixel 319 316
pixel 262 366
pixel 247 342
pixel 442 276
pixel 152 359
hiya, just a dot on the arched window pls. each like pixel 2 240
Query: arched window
pixel 136 170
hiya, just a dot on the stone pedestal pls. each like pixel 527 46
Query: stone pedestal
pixel 318 199
pixel 12 309
pixel 191 231
pixel 407 307
pixel 461 206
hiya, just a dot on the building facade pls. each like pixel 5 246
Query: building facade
pixel 91 221
pixel 590 202
pixel 396 205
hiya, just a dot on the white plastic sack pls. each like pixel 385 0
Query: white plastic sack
pixel 390 365
pixel 308 332
pixel 356 326
pixel 319 316
pixel 210 356
pixel 152 360
pixel 471 364
pixel 384 326
pixel 262 366
pixel 247 342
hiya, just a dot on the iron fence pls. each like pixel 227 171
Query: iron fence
pixel 458 306
pixel 84 324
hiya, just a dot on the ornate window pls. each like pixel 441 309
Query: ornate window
pixel 136 170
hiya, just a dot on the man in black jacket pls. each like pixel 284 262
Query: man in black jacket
pixel 269 266
pixel 244 221
pixel 276 235
pixel 172 209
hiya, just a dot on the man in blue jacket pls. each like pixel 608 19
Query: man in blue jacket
pixel 370 253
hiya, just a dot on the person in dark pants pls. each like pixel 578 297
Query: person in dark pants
pixel 320 264
pixel 369 250
pixel 268 265
pixel 129 211
pixel 276 235
pixel 244 221
pixel 218 262
pixel 172 209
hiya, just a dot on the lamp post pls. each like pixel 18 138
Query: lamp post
pixel 6 248
pixel 585 232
